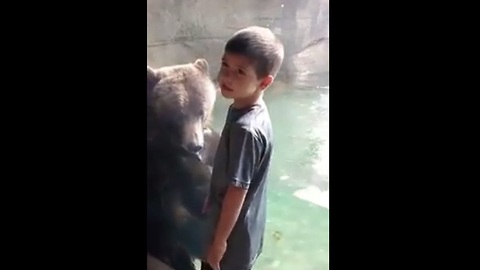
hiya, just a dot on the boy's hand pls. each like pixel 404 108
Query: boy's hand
pixel 232 205
pixel 215 254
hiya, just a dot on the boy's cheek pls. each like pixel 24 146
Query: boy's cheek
pixel 219 76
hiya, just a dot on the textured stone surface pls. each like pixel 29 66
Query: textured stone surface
pixel 182 30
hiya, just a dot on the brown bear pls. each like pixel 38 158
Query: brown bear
pixel 180 101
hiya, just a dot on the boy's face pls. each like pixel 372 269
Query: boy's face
pixel 237 77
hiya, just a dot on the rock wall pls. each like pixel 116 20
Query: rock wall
pixel 182 30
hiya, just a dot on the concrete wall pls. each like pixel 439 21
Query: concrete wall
pixel 182 30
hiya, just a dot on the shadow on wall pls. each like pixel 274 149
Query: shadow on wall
pixel 180 31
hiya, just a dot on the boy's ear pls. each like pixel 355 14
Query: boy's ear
pixel 266 82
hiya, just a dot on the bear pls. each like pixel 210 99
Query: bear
pixel 180 152
pixel 207 154
pixel 180 99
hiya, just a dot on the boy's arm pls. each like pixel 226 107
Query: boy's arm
pixel 231 207
pixel 242 159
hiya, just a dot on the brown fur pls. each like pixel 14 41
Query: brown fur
pixel 180 101
pixel 184 88
pixel 180 96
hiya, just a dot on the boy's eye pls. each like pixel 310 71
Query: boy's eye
pixel 240 71
pixel 224 64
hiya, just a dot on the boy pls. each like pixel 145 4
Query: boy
pixel 237 201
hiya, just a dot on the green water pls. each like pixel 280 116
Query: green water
pixel 297 230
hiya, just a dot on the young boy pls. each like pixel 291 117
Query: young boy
pixel 237 201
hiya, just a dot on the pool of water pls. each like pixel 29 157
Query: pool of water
pixel 297 226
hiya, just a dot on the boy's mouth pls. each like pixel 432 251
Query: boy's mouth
pixel 226 88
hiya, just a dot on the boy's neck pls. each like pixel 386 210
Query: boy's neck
pixel 242 103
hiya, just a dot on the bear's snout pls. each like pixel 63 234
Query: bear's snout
pixel 194 147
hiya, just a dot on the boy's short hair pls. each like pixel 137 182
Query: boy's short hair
pixel 261 46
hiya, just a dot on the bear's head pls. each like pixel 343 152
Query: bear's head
pixel 180 101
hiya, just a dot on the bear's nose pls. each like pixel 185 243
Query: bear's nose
pixel 194 148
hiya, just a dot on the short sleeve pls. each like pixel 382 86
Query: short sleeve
pixel 243 154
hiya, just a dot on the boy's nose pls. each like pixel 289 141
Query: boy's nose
pixel 226 75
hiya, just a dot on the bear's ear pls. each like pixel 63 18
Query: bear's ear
pixel 151 74
pixel 152 77
pixel 202 65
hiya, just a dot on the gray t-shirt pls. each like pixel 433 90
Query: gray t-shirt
pixel 243 159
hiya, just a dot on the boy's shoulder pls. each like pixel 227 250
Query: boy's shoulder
pixel 254 119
